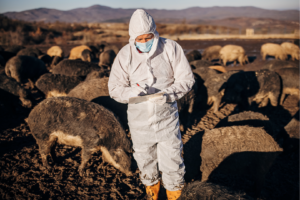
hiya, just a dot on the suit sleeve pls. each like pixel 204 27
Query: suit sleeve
pixel 118 83
pixel 183 75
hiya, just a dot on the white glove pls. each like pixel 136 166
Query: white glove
pixel 159 100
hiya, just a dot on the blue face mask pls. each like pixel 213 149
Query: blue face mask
pixel 144 47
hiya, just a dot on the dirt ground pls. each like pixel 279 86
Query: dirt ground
pixel 22 175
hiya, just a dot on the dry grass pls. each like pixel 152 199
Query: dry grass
pixel 226 36
pixel 60 33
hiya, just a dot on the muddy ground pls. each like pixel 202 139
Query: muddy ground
pixel 22 175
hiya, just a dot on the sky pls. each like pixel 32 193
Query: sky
pixel 21 5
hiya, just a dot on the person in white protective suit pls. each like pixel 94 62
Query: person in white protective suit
pixel 150 64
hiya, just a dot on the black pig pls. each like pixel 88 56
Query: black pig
pixel 193 55
pixel 290 82
pixel 86 55
pixel 22 68
pixel 30 51
pixel 245 88
pixel 77 122
pixel 12 92
pixel 53 85
pixel 74 68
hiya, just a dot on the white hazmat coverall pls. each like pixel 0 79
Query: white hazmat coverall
pixel 154 128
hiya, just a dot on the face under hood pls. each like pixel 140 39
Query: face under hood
pixel 142 23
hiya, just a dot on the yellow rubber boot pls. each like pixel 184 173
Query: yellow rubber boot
pixel 173 195
pixel 152 191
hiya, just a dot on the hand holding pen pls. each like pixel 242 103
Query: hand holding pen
pixel 141 90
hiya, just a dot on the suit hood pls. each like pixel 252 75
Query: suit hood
pixel 142 23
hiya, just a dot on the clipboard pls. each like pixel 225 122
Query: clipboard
pixel 140 99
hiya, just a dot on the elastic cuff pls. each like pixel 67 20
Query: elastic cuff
pixel 169 98
pixel 173 187
pixel 150 182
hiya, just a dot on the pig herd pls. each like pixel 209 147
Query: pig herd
pixel 233 53
pixel 78 111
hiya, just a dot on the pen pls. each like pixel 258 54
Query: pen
pixel 141 88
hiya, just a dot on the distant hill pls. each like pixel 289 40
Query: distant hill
pixel 98 13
